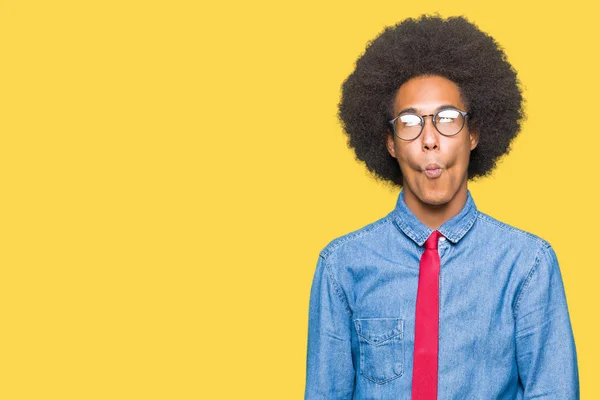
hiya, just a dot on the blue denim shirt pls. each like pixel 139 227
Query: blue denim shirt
pixel 504 329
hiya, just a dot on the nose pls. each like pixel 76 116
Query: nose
pixel 429 136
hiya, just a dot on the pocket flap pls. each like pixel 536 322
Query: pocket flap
pixel 378 330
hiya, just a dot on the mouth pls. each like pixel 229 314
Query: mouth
pixel 433 170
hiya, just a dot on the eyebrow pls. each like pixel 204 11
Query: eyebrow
pixel 414 110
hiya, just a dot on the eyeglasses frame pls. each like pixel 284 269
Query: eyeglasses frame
pixel 422 117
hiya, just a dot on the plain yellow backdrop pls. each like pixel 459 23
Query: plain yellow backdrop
pixel 170 171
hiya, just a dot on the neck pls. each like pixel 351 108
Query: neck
pixel 434 215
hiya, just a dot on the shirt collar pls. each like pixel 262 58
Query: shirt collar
pixel 453 229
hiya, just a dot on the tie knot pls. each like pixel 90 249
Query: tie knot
pixel 432 240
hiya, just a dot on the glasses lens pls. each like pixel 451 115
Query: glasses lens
pixel 449 122
pixel 408 126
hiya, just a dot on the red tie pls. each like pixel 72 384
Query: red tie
pixel 425 364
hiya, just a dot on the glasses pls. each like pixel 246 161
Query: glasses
pixel 448 122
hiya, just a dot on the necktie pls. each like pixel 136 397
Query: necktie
pixel 425 365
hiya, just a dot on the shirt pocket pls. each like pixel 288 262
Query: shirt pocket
pixel 381 343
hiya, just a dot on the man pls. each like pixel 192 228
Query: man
pixel 436 299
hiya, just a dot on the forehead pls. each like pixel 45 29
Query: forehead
pixel 426 94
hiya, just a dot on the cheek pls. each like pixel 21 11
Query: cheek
pixel 459 154
pixel 408 156
pixel 465 153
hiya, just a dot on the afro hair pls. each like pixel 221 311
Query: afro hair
pixel 453 48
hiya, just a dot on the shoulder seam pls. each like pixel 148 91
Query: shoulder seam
pixel 502 225
pixel 334 244
pixel 532 271
pixel 336 287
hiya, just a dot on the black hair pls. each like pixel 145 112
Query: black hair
pixel 430 45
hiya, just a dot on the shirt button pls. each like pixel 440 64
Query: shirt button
pixel 442 239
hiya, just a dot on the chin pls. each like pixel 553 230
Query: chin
pixel 435 197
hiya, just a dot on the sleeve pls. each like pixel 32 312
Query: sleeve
pixel 546 354
pixel 329 368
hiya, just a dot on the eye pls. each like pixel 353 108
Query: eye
pixel 410 120
pixel 447 116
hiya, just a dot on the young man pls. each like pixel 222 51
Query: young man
pixel 436 299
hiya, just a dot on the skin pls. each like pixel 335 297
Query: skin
pixel 433 201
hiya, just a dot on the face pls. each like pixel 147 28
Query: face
pixel 426 95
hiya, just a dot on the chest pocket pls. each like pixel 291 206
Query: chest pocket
pixel 381 348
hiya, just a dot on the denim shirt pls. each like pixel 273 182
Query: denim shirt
pixel 504 325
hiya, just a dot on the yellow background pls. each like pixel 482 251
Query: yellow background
pixel 170 171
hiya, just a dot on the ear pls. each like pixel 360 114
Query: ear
pixel 390 144
pixel 474 138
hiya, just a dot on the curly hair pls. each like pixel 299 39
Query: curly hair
pixel 453 48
